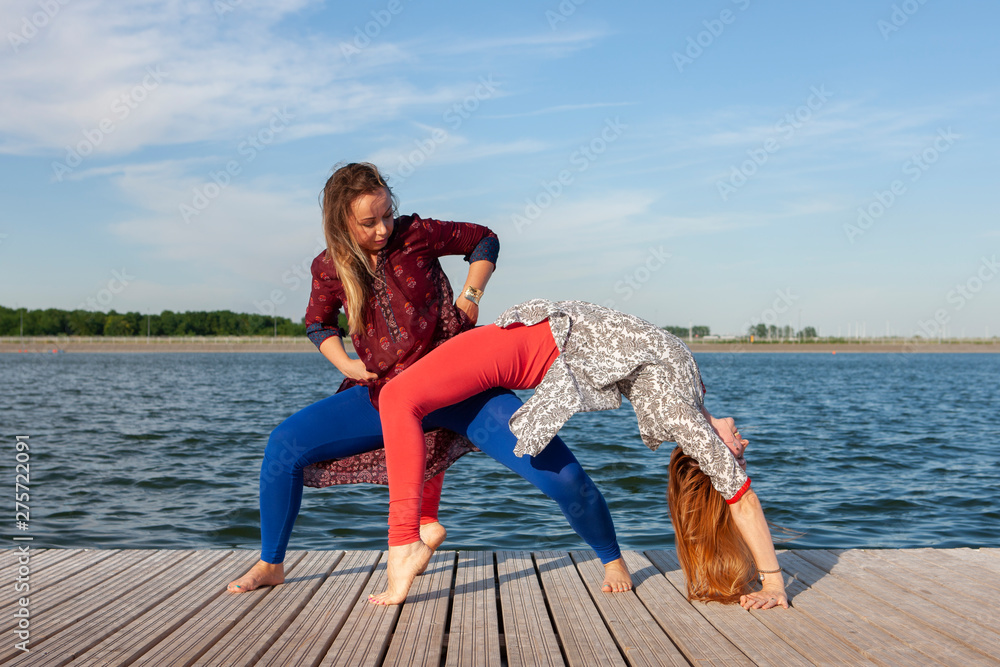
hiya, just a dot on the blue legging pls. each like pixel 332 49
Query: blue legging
pixel 346 424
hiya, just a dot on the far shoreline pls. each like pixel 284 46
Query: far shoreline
pixel 256 345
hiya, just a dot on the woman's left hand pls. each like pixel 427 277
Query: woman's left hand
pixel 766 598
pixel 468 307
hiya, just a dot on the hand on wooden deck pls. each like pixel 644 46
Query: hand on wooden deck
pixel 766 598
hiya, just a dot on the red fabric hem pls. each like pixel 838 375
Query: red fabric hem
pixel 739 494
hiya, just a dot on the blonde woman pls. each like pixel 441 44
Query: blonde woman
pixel 383 269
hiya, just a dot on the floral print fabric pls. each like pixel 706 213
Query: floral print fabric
pixel 411 312
pixel 605 354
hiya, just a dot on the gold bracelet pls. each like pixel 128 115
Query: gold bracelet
pixel 473 294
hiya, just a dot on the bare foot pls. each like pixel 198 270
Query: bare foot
pixel 405 563
pixel 616 577
pixel 432 534
pixel 261 574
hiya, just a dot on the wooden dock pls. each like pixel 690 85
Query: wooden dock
pixel 483 608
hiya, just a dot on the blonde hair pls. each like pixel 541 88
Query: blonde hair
pixel 351 261
pixel 716 561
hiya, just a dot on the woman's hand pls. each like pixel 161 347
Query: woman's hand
pixel 356 370
pixel 766 598
pixel 726 429
pixel 468 307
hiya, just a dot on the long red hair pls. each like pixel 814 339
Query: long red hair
pixel 717 563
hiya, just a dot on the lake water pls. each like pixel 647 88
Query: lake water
pixel 164 450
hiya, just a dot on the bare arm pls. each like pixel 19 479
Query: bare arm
pixel 333 349
pixel 749 518
pixel 479 275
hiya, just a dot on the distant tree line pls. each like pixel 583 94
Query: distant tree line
pixel 758 331
pixel 772 332
pixel 685 332
pixel 55 322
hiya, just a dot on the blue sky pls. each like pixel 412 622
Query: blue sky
pixel 722 163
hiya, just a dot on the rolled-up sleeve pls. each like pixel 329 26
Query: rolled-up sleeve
pixel 665 414
pixel 323 311
pixel 475 242
pixel 694 435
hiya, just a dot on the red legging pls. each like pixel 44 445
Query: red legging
pixel 486 357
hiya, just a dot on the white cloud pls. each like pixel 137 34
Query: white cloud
pixel 252 230
pixel 438 147
pixel 217 76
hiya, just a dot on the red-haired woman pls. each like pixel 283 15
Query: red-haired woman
pixel 384 270
pixel 582 357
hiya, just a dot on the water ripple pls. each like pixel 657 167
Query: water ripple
pixel 163 451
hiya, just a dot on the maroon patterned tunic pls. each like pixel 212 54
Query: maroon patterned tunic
pixel 411 312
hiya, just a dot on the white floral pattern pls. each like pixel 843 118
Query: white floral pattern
pixel 605 354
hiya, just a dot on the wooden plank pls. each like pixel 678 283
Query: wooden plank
pixel 474 637
pixel 38 559
pixel 419 634
pixel 974 581
pixel 529 637
pixel 838 617
pixel 50 590
pixel 906 598
pixel 809 638
pixel 224 610
pixel 950 561
pixel 744 630
pixel 252 636
pixel 97 588
pixel 700 640
pixel 868 594
pixel 639 635
pixel 133 639
pixel 158 584
pixel 363 640
pixel 311 634
pixel 984 557
pixel 585 639
pixel 949 589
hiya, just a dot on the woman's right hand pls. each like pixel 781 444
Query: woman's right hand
pixel 726 429
pixel 356 370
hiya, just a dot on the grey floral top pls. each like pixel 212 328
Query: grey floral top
pixel 604 354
